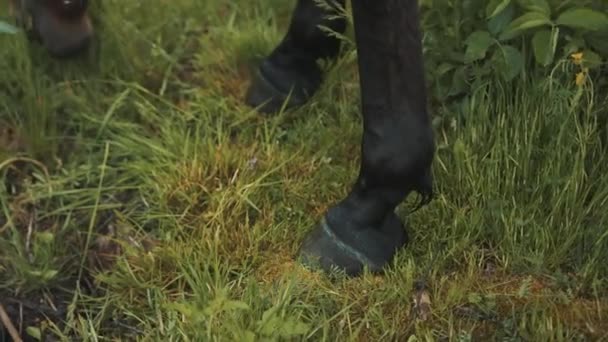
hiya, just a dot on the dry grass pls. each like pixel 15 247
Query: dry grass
pixel 140 199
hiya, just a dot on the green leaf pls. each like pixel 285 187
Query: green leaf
pixel 509 62
pixel 7 28
pixel 496 7
pixel 540 44
pixel 270 324
pixel 292 328
pixel 544 44
pixel 34 332
pixel 591 59
pixel 273 325
pixel 514 61
pixel 443 69
pixel 583 18
pixel 49 274
pixel 525 22
pixel 45 237
pixel 45 275
pixel 221 303
pixel 498 23
pixel 459 82
pixel 541 6
pixel 477 44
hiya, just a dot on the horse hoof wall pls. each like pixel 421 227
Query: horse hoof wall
pixel 273 89
pixel 334 246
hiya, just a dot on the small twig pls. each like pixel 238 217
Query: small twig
pixel 6 321
pixel 49 300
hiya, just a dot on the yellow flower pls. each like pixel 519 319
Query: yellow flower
pixel 580 78
pixel 577 58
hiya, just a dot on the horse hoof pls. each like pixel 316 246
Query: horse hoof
pixel 274 88
pixel 340 245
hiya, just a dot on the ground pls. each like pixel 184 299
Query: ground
pixel 141 199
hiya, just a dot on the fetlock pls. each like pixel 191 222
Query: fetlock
pixel 397 155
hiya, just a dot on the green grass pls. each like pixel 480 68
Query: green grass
pixel 139 197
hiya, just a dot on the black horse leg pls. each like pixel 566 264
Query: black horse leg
pixel 397 148
pixel 291 70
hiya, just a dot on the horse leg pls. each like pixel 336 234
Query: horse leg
pixel 363 230
pixel 291 72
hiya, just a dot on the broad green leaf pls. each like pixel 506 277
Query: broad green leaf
pixel 7 28
pixel 591 59
pixel 508 61
pixel 498 23
pixel 525 22
pixel 583 18
pixel 541 6
pixel 477 44
pixel 514 61
pixel 496 7
pixel 540 45
pixel 443 69
pixel 459 82
pixel 544 44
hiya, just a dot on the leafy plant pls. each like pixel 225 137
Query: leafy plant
pixel 546 27
pixel 508 37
